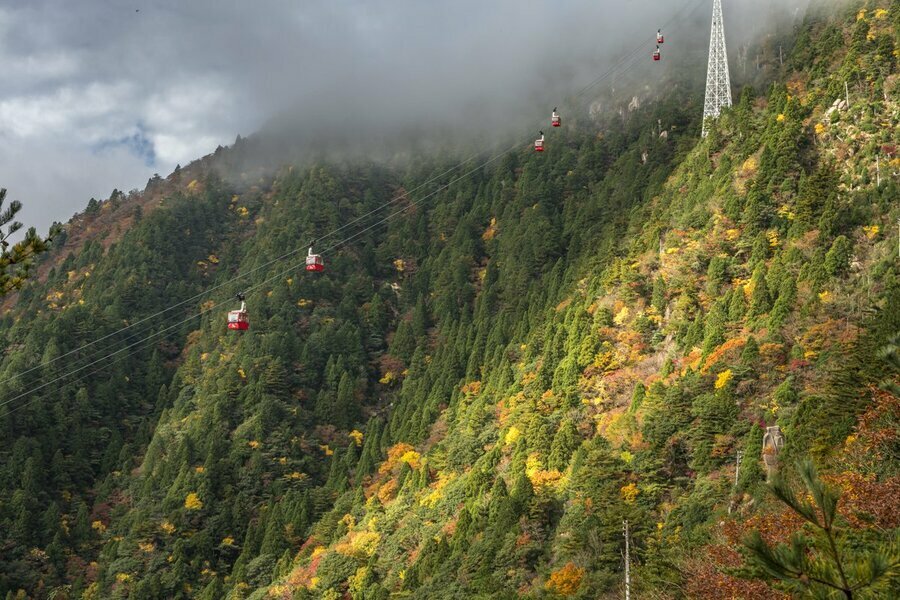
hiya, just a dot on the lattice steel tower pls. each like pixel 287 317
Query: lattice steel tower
pixel 718 83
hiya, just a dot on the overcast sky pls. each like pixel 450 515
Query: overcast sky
pixel 101 94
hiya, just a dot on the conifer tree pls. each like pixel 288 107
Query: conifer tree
pixel 16 260
pixel 825 559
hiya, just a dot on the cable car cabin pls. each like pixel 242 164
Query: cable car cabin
pixel 539 143
pixel 555 119
pixel 239 320
pixel 659 36
pixel 656 54
pixel 314 262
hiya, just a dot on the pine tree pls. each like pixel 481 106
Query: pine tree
pixel 16 261
pixel 827 559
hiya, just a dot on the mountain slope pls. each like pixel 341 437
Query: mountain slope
pixel 476 393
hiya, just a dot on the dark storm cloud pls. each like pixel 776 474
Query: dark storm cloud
pixel 99 94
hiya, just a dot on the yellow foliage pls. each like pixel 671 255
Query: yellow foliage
pixel 147 547
pixel 317 551
pixel 122 577
pixel 772 236
pixel 411 458
pixel 282 460
pixel 98 526
pixel 825 297
pixel 193 502
pixel 241 373
pixel 356 436
pixel 820 128
pixel 512 435
pixel 629 493
pixel 542 480
pixel 621 316
pixel 296 476
pixel 193 185
pixel 723 379
pixel 400 265
pixel 732 234
pixel 91 592
pixel 326 449
pixel 861 15
pixel 242 210
pixel 881 13
pixel 871 231
pixel 437 494
pixel 303 302
pixel 785 211
pixel 364 543
pixel 199 469
pixel 253 444
pixel 780 118
pixel 533 464
pixel 749 287
pixel 566 580
pixel 167 527
pixel 388 378
pixel 213 259
pixel 228 541
pixel 750 165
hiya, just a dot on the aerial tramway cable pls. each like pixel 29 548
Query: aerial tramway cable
pixel 625 61
pixel 209 290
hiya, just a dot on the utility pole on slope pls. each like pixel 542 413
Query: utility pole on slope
pixel 737 467
pixel 627 562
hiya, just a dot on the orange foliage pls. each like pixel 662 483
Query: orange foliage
pixel 473 387
pixel 394 456
pixel 721 352
pixel 387 491
pixel 566 580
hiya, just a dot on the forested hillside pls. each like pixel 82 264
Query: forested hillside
pixel 479 390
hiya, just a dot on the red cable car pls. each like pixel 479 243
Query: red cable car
pixel 659 36
pixel 538 144
pixel 239 319
pixel 656 55
pixel 555 119
pixel 314 262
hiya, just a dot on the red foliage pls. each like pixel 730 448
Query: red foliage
pixel 707 579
